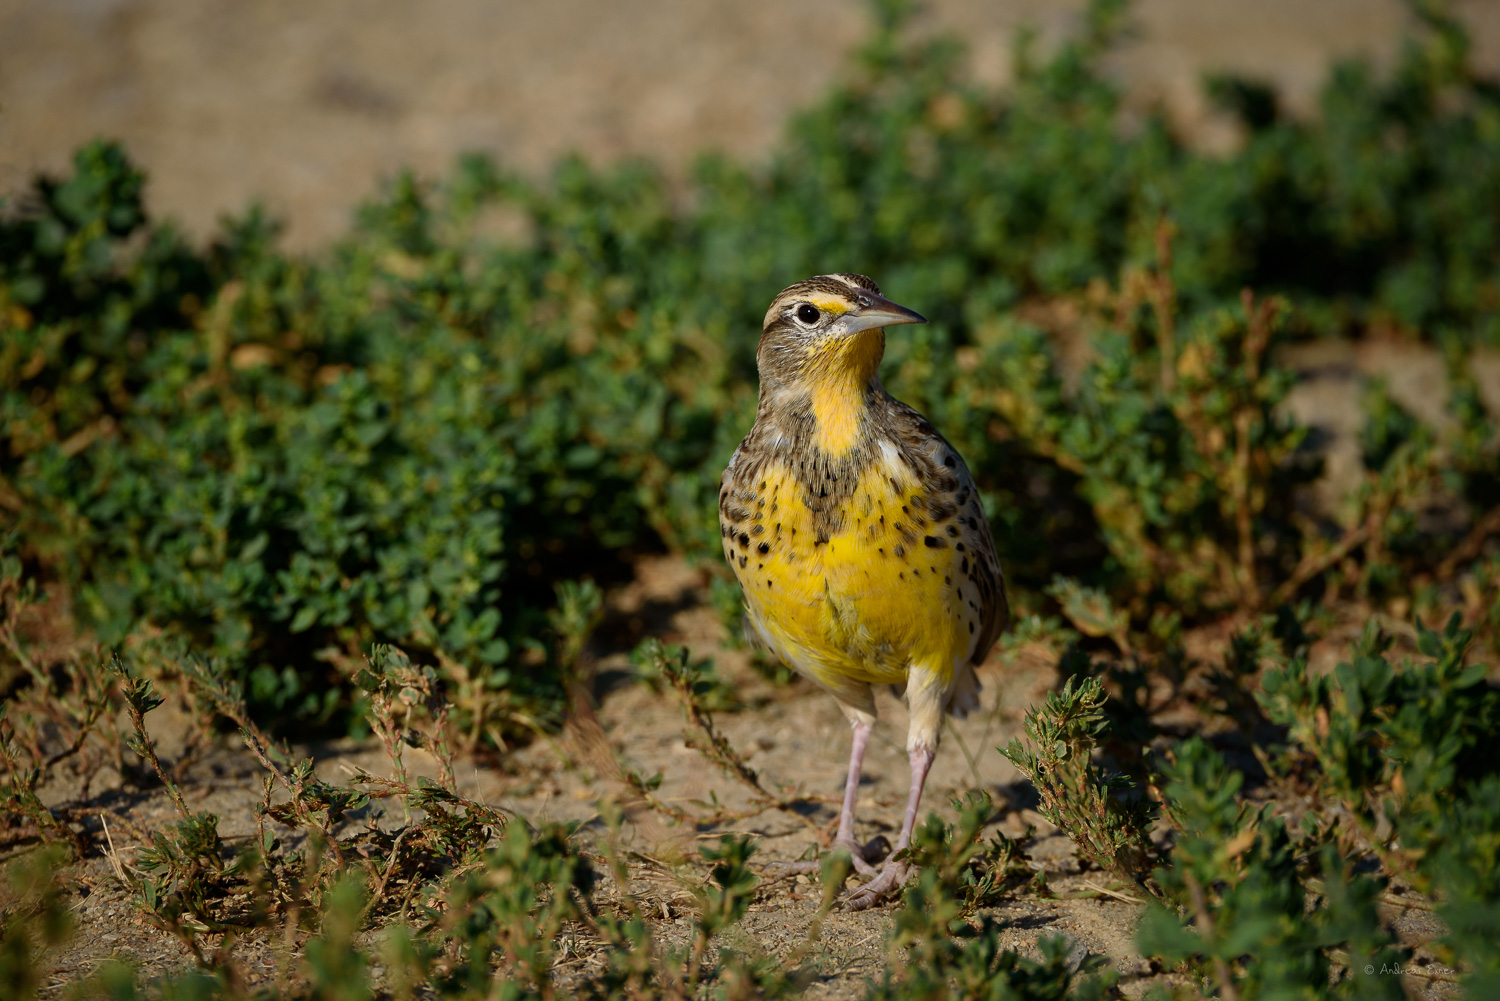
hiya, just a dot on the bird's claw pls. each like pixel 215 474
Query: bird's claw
pixel 892 876
pixel 864 855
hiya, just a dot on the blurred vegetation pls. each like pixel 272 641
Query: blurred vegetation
pixel 381 488
pixel 493 386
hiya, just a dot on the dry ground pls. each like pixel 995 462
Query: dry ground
pixel 791 734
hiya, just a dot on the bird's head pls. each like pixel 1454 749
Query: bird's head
pixel 828 328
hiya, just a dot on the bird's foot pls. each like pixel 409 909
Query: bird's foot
pixel 864 855
pixel 861 855
pixel 891 878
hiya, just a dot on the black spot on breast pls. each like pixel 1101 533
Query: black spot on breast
pixel 948 460
pixel 758 529
pixel 743 561
pixel 965 567
pixel 763 548
pixel 959 547
pixel 901 552
pixel 744 540
pixel 933 542
pixel 952 531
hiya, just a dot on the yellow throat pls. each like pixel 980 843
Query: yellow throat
pixel 840 374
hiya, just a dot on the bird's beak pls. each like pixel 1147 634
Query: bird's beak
pixel 874 311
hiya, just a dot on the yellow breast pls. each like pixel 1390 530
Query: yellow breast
pixel 888 589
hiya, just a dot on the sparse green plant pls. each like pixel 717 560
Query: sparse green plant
pixel 974 871
pixel 1104 813
pixel 672 666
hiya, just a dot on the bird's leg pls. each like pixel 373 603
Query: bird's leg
pixel 927 693
pixel 921 764
pixel 861 854
pixel 896 870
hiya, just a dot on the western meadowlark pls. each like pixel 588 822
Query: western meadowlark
pixel 857 535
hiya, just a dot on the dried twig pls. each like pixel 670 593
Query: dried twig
pixel 1315 563
pixel 1097 888
pixel 1472 544
pixel 714 746
pixel 114 856
pixel 1257 339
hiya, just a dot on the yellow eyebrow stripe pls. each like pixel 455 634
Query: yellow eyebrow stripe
pixel 831 306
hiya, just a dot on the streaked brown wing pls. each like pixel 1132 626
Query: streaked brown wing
pixel 950 474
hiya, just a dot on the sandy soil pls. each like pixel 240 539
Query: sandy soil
pixel 306 105
pixel 793 735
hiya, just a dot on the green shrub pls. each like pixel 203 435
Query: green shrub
pixel 1235 876
pixel 1410 750
pixel 415 436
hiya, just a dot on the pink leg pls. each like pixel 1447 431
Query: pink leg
pixel 845 839
pixel 921 763
pixel 859 854
pixel 895 871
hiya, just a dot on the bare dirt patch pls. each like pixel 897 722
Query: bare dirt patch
pixel 791 734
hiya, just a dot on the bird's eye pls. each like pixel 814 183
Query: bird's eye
pixel 808 313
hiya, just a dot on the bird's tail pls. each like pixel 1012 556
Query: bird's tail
pixel 965 697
